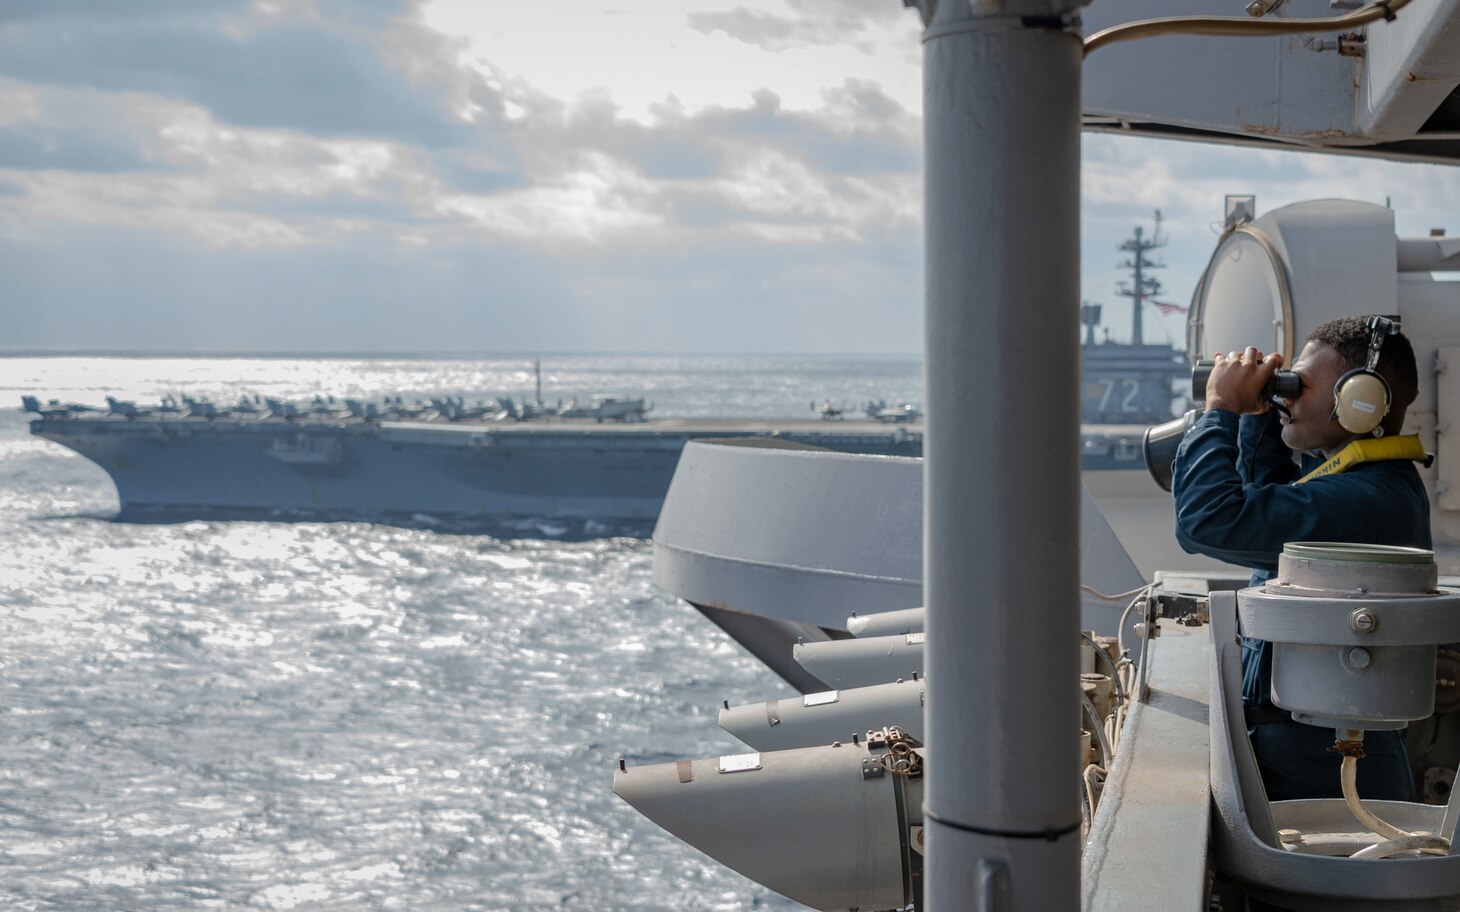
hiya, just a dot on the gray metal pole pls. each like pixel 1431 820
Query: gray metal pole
pixel 1001 548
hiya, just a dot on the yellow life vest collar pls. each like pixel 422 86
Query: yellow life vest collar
pixel 1371 449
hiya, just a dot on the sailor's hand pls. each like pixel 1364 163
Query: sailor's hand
pixel 1237 380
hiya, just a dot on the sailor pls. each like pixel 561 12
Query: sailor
pixel 1240 496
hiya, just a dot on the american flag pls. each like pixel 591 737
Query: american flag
pixel 1169 309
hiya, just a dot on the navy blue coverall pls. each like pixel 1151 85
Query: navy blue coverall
pixel 1235 501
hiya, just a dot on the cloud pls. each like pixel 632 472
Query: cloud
pixel 806 23
pixel 858 130
pixel 95 143
pixel 746 295
pixel 253 141
pixel 585 174
pixel 303 161
pixel 258 70
pixel 257 130
pixel 217 185
pixel 468 172
pixel 158 294
pixel 371 295
pixel 596 201
pixel 21 11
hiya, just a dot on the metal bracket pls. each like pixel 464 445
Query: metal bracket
pixel 1354 45
pixel 872 768
pixel 1186 610
pixel 903 757
pixel 993 884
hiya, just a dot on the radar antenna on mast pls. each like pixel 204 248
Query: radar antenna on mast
pixel 1142 287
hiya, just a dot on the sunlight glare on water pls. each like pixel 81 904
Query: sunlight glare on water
pixel 340 716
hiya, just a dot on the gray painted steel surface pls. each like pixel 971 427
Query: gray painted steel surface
pixel 821 718
pixel 1245 837
pixel 1149 839
pixel 1386 98
pixel 808 823
pixel 1355 631
pixel 1271 282
pixel 792 535
pixel 1001 95
pixel 768 639
pixel 1128 384
pixel 863 661
pixel 803 536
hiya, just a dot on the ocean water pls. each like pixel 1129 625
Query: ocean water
pixel 340 716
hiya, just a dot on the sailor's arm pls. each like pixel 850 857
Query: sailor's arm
pixel 1223 462
pixel 1221 516
pixel 1262 457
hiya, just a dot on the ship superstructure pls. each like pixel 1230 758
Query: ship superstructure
pixel 1130 382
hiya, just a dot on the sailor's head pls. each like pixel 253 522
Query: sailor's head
pixel 1333 350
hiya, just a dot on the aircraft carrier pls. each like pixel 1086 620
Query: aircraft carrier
pixel 603 460
pixel 193 459
pixel 201 461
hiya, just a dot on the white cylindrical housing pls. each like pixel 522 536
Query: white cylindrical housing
pixel 1355 629
pixel 887 623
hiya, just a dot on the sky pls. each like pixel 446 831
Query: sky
pixel 484 176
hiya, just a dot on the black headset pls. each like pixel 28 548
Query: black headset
pixel 1361 397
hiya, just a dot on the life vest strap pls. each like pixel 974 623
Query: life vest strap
pixel 1371 449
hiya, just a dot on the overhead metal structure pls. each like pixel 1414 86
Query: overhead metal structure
pixel 1386 89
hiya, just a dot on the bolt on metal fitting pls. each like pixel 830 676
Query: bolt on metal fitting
pixel 1362 620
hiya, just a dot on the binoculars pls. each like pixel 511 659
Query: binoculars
pixel 1281 385
pixel 1159 444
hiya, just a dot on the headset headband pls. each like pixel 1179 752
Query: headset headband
pixel 1380 328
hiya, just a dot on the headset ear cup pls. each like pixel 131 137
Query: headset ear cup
pixel 1360 401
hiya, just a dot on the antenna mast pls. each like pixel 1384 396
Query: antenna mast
pixel 1142 286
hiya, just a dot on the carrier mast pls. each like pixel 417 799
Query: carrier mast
pixel 1142 287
